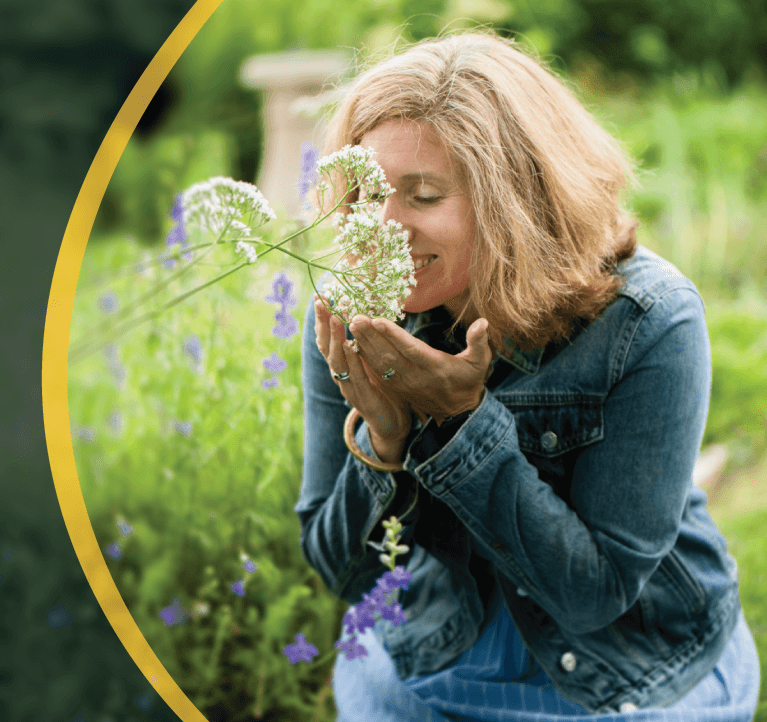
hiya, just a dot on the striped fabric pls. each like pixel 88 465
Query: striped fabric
pixel 475 688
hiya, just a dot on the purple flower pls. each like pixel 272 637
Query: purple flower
pixel 400 577
pixel 174 613
pixel 270 383
pixel 183 427
pixel 287 325
pixel 108 303
pixel 115 422
pixel 301 650
pixel 123 527
pixel 115 550
pixel 238 587
pixel 394 614
pixel 282 291
pixel 309 157
pixel 177 211
pixel 352 648
pixel 249 566
pixel 359 618
pixel 193 348
pixel 85 433
pixel 274 364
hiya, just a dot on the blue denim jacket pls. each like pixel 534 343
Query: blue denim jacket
pixel 570 487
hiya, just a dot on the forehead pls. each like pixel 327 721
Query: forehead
pixel 406 148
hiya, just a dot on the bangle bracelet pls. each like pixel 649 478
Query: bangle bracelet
pixel 357 453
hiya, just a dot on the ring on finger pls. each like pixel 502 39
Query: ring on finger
pixel 344 376
pixel 388 374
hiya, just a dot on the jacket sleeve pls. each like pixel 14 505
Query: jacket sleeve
pixel 342 500
pixel 585 563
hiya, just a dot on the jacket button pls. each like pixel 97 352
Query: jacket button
pixel 628 707
pixel 522 592
pixel 568 661
pixel 548 440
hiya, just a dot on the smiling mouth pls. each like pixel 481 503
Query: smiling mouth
pixel 424 261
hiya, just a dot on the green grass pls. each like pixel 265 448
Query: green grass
pixel 195 502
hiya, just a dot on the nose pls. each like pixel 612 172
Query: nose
pixel 395 211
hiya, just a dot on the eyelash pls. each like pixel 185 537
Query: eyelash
pixel 426 201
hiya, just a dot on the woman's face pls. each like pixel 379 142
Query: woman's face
pixel 433 208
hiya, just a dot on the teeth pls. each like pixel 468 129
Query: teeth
pixel 420 263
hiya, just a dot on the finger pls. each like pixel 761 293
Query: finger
pixel 336 357
pixel 406 345
pixel 377 350
pixel 322 328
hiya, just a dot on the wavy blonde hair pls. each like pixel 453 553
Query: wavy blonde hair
pixel 543 177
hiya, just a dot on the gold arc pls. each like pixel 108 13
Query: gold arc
pixel 55 350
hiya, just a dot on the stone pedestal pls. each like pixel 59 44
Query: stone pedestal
pixel 292 83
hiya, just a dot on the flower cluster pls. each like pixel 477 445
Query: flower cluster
pixel 223 206
pixel 178 235
pixel 358 167
pixel 248 251
pixel 381 600
pixel 377 280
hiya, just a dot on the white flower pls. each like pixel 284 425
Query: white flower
pixel 225 206
pixel 248 250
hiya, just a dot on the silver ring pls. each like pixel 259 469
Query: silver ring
pixel 388 374
pixel 341 377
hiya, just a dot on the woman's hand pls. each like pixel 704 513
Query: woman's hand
pixel 387 414
pixel 434 383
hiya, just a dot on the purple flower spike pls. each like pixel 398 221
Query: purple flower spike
pixel 274 364
pixel 108 303
pixel 352 648
pixel 400 577
pixel 270 383
pixel 282 292
pixel 359 618
pixel 238 587
pixel 193 348
pixel 309 157
pixel 174 613
pixel 184 428
pixel 114 550
pixel 300 651
pixel 288 326
pixel 177 211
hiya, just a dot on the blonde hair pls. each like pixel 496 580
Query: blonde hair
pixel 542 175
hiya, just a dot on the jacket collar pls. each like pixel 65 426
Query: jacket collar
pixel 433 325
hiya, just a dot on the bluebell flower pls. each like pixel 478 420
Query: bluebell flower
pixel 287 325
pixel 174 613
pixel 352 648
pixel 238 587
pixel 123 527
pixel 114 550
pixel 301 650
pixel 193 348
pixel 282 291
pixel 275 364
pixel 249 566
pixel 270 383
pixel 59 617
pixel 183 427
pixel 108 303
pixel 115 422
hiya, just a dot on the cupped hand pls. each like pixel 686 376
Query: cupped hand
pixel 434 383
pixel 386 414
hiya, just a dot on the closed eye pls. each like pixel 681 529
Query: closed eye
pixel 425 200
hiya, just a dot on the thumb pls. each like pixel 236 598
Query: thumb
pixel 477 336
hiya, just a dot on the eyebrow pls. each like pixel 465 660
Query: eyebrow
pixel 423 176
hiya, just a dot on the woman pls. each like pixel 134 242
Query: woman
pixel 533 422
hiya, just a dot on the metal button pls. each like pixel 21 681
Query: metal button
pixel 522 592
pixel 549 440
pixel 569 662
pixel 628 707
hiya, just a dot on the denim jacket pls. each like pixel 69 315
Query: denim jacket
pixel 569 487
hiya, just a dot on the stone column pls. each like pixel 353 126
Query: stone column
pixel 292 82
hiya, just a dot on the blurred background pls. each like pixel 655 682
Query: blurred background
pixel 182 465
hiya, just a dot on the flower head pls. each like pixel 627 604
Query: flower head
pixel 245 248
pixel 193 348
pixel 274 364
pixel 222 205
pixel 174 613
pixel 183 427
pixel 123 527
pixel 301 650
pixel 270 383
pixel 352 648
pixel 282 291
pixel 114 550
pixel 108 303
pixel 287 325
pixel 238 587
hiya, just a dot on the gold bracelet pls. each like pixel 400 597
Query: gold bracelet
pixel 351 421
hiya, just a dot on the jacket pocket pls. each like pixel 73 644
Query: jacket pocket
pixel 685 585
